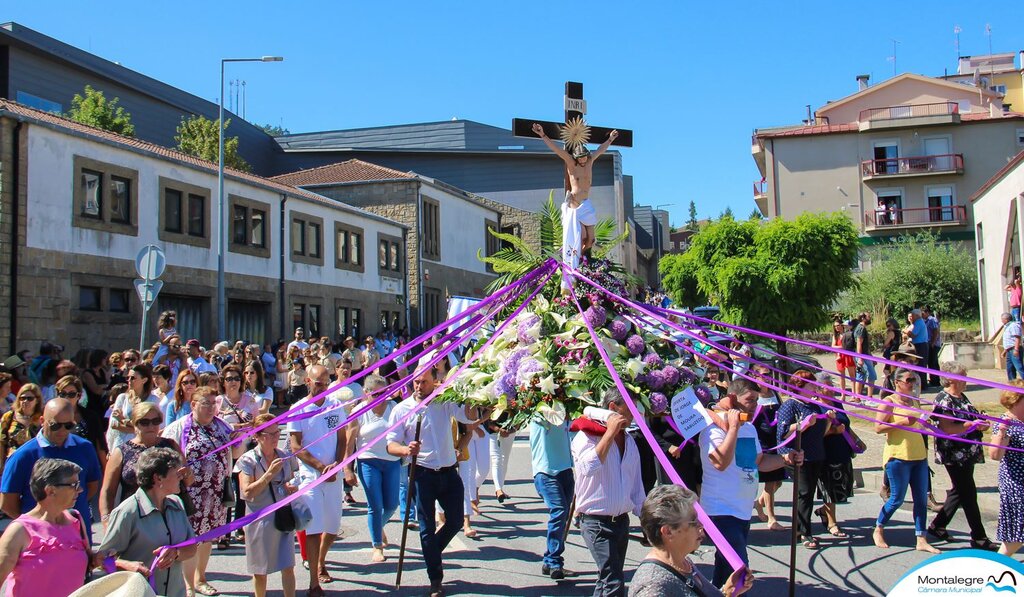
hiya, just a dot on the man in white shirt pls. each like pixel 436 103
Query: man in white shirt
pixel 1012 346
pixel 608 488
pixel 298 342
pixel 437 473
pixel 731 457
pixel 325 499
pixel 196 363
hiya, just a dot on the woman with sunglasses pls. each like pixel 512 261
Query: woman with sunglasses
pixel 46 550
pixel 237 409
pixel 140 389
pixel 120 471
pixel 669 522
pixel 256 386
pixel 22 422
pixel 180 403
pixel 905 458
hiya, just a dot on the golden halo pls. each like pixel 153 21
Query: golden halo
pixel 575 133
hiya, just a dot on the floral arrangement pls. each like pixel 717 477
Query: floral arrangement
pixel 545 364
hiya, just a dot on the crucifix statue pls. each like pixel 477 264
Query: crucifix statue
pixel 578 215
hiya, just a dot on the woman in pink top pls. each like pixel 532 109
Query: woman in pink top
pixel 44 551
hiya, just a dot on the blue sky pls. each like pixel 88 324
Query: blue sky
pixel 692 81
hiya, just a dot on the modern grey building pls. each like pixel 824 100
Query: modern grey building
pixel 44 73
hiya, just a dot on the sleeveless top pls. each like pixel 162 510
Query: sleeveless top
pixel 130 452
pixel 14 434
pixel 53 563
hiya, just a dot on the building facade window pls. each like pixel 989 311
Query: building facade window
pixel 348 248
pixel 390 320
pixel 249 226
pixel 184 213
pixel 431 307
pixel 120 300
pixel 307 317
pixel 492 244
pixel 105 197
pixel 307 239
pixel 940 204
pixel 430 233
pixel 1020 137
pixel 89 298
pixel 979 236
pixel 889 207
pixel 389 255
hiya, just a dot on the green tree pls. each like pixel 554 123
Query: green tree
pixel 691 223
pixel 726 213
pixel 756 215
pixel 274 130
pixel 95 110
pixel 679 278
pixel 914 271
pixel 781 276
pixel 198 136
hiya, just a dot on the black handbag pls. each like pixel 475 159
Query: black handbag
pixel 227 493
pixel 284 518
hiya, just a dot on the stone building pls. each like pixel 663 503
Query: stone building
pixel 448 228
pixel 77 204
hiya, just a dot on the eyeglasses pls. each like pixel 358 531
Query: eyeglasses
pixel 910 380
pixel 68 395
pixel 76 485
pixel 29 398
pixel 189 382
pixel 130 360
pixel 150 422
pixel 207 404
pixel 232 378
pixel 54 425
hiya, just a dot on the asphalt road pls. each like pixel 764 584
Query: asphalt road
pixel 505 558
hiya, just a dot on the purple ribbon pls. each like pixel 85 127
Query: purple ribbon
pixel 709 527
pixel 287 500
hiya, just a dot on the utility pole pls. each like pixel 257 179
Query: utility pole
pixel 893 57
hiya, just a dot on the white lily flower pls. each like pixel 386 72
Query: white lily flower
pixel 635 367
pixel 553 413
pixel 548 385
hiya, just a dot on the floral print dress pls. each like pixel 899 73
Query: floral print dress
pixel 209 473
pixel 1011 483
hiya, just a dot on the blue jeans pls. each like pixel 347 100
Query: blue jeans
pixel 1015 313
pixel 607 541
pixel 902 473
pixel 443 487
pixel 1014 366
pixel 403 491
pixel 735 532
pixel 380 484
pixel 557 492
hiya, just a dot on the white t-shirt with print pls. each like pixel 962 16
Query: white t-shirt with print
pixel 730 492
pixel 329 417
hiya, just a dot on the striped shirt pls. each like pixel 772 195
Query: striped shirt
pixel 609 488
pixel 437 449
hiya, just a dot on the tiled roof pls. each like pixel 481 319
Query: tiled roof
pixel 22 112
pixel 347 171
pixel 991 182
pixel 825 129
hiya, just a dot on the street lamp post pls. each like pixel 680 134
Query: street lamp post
pixel 221 227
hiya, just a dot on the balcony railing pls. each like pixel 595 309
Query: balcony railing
pixel 760 188
pixel 910 111
pixel 949 215
pixel 924 164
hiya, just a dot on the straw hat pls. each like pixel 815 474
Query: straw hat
pixel 906 350
pixel 118 584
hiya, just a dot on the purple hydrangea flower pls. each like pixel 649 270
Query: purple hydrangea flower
pixel 527 368
pixel 523 328
pixel 641 379
pixel 659 402
pixel 686 376
pixel 671 375
pixel 655 379
pixel 511 363
pixel 653 360
pixel 619 330
pixel 635 344
pixel 505 385
pixel 595 316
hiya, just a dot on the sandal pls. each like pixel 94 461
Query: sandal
pixel 223 544
pixel 941 534
pixel 502 496
pixel 985 544
pixel 835 531
pixel 811 542
pixel 205 588
pixel 315 592
pixel 324 577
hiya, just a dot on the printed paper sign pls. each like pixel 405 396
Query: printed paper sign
pixel 689 414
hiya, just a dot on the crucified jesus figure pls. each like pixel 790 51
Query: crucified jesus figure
pixel 577 211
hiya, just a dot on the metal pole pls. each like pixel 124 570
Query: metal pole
pixel 408 502
pixel 221 307
pixel 795 534
pixel 145 316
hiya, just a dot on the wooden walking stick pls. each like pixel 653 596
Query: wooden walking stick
pixel 796 532
pixel 568 521
pixel 408 502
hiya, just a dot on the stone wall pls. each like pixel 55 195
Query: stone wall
pixel 527 222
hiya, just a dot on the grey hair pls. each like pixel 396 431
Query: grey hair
pixel 48 472
pixel 611 395
pixel 740 385
pixel 1006 316
pixel 666 505
pixel 954 367
pixel 153 462
pixel 374 382
pixel 823 377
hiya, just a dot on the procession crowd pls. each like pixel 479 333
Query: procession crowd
pixel 143 441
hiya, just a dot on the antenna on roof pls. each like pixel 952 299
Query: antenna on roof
pixel 893 57
pixel 956 44
pixel 991 62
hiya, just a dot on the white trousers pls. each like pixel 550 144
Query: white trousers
pixel 473 471
pixel 501 451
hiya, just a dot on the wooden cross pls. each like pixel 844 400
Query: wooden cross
pixel 575 107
